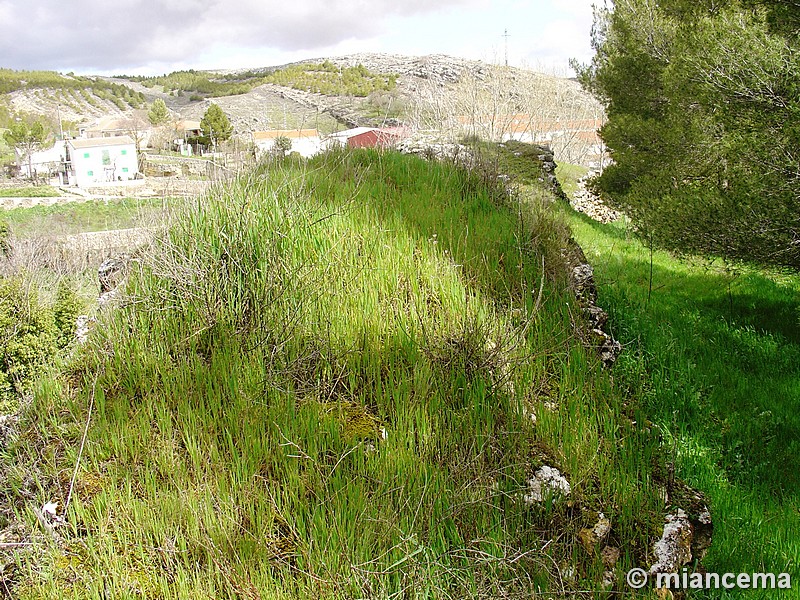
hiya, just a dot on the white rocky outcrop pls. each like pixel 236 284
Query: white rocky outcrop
pixel 547 483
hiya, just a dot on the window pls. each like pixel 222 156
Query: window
pixel 85 155
pixel 124 152
pixel 90 173
pixel 124 169
pixel 106 158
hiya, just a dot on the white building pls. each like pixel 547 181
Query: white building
pixel 101 160
pixel 306 142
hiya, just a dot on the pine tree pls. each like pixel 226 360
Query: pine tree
pixel 27 138
pixel 158 113
pixel 703 102
pixel 216 126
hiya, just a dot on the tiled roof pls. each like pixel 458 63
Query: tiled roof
pixel 121 140
pixel 288 133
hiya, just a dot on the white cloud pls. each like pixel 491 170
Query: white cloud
pixel 154 36
pixel 96 34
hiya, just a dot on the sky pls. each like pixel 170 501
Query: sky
pixel 148 37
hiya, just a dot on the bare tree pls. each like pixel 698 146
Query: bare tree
pixel 500 103
pixel 137 126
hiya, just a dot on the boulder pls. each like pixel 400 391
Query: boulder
pixel 592 537
pixel 674 549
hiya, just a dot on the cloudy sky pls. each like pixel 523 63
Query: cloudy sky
pixel 157 36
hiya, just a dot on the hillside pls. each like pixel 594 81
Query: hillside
pixel 364 376
pixel 428 93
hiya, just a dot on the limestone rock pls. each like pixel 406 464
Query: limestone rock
pixel 609 579
pixel 8 424
pixel 111 273
pixel 610 556
pixel 582 280
pixel 585 201
pixel 674 549
pixel 591 537
pixel 703 532
pixel 547 482
pixel 83 325
pixel 585 290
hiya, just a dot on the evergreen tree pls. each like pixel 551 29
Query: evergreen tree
pixel 703 103
pixel 215 125
pixel 27 138
pixel 158 113
pixel 282 145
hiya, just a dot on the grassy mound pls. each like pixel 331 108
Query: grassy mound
pixel 321 384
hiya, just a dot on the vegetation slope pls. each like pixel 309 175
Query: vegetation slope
pixel 712 352
pixel 321 382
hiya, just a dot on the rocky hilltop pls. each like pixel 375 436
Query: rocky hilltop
pixel 430 93
pixel 438 68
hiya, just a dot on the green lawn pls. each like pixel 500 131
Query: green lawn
pixel 39 191
pixel 713 355
pixel 80 217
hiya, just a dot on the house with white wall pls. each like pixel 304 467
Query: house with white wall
pixel 306 142
pixel 101 160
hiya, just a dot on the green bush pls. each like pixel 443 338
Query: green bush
pixel 282 145
pixel 28 338
pixel 65 311
pixel 5 238
pixel 31 334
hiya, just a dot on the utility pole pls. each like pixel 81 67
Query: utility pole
pixel 63 176
pixel 60 125
pixel 506 36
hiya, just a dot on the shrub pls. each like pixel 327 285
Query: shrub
pixel 282 145
pixel 65 311
pixel 28 338
pixel 5 238
pixel 31 334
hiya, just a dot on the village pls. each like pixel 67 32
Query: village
pixel 105 154
pixel 123 149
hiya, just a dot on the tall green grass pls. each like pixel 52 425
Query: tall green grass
pixel 40 191
pixel 71 218
pixel 713 354
pixel 320 384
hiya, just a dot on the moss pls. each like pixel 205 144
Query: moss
pixel 355 420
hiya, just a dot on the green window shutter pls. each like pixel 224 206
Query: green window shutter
pixel 85 155
pixel 124 152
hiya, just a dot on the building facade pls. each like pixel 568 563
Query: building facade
pixel 306 142
pixel 101 160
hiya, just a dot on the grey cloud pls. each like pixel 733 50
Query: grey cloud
pixel 102 34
